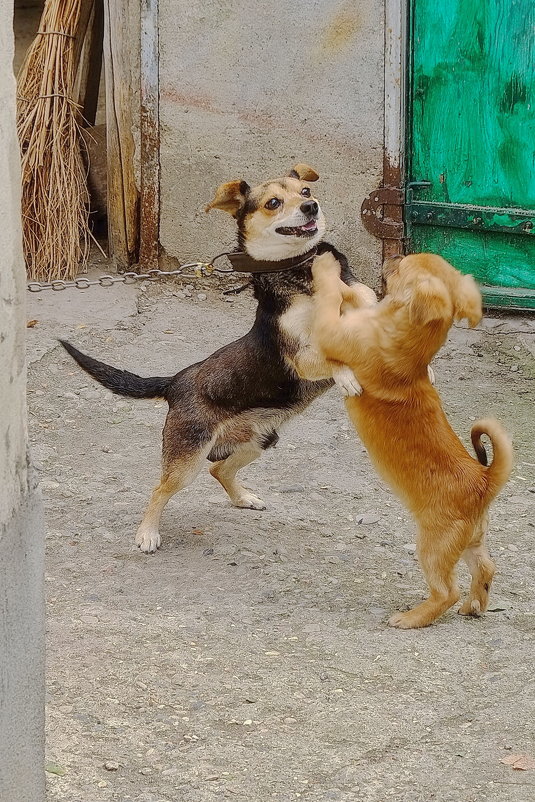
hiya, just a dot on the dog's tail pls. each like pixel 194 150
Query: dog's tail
pixel 119 381
pixel 502 462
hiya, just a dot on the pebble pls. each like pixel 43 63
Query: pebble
pixel 292 489
pixel 410 547
pixel 89 619
pixel 369 518
pixel 290 720
pixel 201 296
pixel 514 368
pixel 512 547
pixel 145 770
pixel 70 395
pixel 111 765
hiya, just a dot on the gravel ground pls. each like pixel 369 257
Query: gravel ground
pixel 250 658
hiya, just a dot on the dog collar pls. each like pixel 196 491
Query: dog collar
pixel 243 263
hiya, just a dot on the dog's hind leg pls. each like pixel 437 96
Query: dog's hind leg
pixel 482 569
pixel 176 475
pixel 225 472
pixel 438 552
pixel 186 444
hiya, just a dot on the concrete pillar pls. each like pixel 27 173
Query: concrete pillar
pixel 21 525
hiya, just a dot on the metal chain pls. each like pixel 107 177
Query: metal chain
pixel 201 269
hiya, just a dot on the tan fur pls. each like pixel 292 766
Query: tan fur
pixel 400 419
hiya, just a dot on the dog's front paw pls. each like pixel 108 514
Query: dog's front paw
pixel 148 540
pixel 248 501
pixel 346 381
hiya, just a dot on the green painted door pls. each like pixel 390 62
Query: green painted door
pixel 471 141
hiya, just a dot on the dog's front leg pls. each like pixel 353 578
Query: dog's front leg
pixel 309 364
pixel 345 379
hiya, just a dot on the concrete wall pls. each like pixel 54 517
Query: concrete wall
pixel 248 89
pixel 21 527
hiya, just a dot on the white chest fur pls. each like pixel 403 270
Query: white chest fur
pixel 296 322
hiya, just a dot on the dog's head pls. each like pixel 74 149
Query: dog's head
pixel 276 220
pixel 432 289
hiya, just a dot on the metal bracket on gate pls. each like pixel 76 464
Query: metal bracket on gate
pixel 374 213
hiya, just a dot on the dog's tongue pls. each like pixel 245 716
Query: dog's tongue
pixel 309 226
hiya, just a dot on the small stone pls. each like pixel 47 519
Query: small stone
pixel 290 720
pixel 292 489
pixel 410 547
pixel 516 348
pixel 111 765
pixel 368 518
pixel 70 395
pixel 514 368
pixel 201 296
pixel 89 619
pixel 248 722
pixel 102 784
pixel 106 449
pixel 145 770
pixel 512 547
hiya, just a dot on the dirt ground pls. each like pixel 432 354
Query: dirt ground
pixel 250 658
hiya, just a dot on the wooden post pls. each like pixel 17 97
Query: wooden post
pixel 123 206
pixel 90 68
pixel 150 137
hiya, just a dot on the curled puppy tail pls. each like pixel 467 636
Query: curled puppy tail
pixel 499 470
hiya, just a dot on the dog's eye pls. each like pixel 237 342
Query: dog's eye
pixel 273 203
pixel 306 192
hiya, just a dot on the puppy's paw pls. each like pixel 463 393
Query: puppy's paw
pixel 431 374
pixel 248 501
pixel 471 607
pixel 346 381
pixel 326 263
pixel 148 540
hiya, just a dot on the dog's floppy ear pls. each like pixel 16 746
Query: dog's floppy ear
pixel 467 301
pixel 429 300
pixel 230 197
pixel 303 172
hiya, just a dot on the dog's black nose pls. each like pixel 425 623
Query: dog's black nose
pixel 310 207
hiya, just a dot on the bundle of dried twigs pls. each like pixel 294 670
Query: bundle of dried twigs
pixel 55 198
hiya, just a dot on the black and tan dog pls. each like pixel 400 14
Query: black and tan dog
pixel 227 409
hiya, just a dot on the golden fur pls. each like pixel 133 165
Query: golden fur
pixel 400 419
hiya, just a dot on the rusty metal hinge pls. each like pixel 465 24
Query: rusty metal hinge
pixel 382 213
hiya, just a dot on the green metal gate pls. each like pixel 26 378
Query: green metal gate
pixel 471 141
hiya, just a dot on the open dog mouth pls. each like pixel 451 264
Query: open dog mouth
pixel 306 230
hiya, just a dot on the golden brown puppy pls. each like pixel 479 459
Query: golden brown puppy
pixel 400 419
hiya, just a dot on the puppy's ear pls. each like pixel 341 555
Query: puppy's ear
pixel 467 301
pixel 429 300
pixel 303 172
pixel 230 197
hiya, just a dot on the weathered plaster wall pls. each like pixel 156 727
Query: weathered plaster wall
pixel 247 89
pixel 21 529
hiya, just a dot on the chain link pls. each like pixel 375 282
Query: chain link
pixel 201 269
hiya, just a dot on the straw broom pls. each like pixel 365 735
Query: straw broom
pixel 55 199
